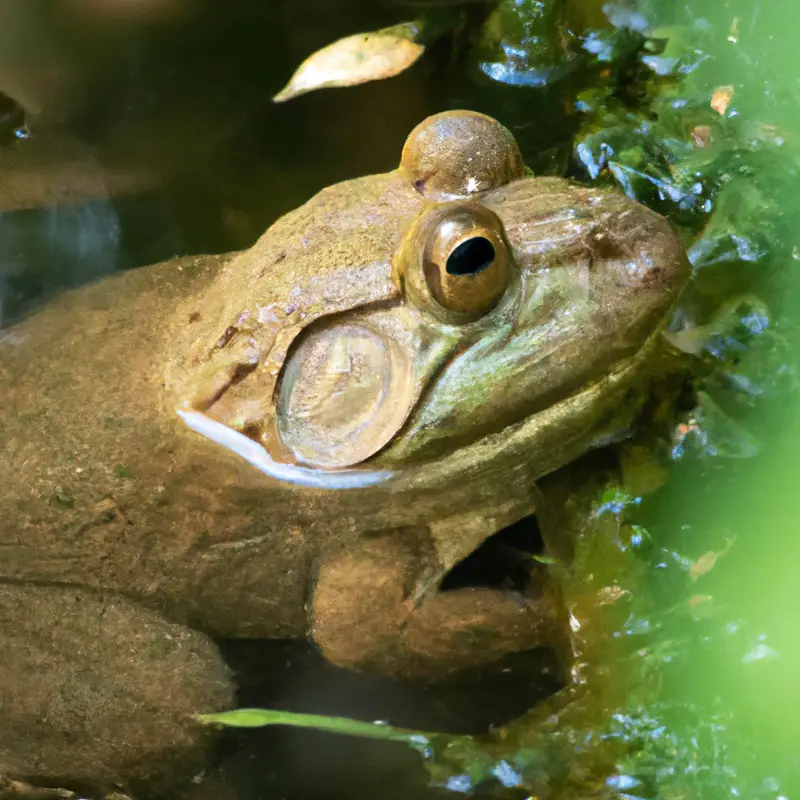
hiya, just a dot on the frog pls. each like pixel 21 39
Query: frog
pixel 302 440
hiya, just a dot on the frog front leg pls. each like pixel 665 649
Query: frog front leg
pixel 365 615
pixel 99 693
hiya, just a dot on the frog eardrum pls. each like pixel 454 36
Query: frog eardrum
pixel 343 395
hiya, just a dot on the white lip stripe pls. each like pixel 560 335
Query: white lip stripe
pixel 255 454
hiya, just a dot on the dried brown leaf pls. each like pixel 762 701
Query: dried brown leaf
pixel 706 562
pixel 721 98
pixel 699 599
pixel 701 136
pixel 355 59
pixel 701 606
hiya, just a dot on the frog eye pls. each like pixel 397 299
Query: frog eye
pixel 465 263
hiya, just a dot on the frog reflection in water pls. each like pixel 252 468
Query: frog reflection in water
pixel 302 440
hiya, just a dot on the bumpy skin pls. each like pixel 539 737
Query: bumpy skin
pixel 127 539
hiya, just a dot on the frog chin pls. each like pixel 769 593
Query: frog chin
pixel 597 414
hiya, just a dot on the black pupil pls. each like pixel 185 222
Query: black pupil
pixel 470 257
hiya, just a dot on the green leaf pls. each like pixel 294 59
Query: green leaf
pixel 262 717
pixel 241 718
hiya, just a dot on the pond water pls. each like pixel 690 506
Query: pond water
pixel 153 129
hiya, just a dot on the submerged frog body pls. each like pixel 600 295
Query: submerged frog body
pixel 302 440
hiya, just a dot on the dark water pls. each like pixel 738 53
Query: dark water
pixel 166 115
pixel 276 762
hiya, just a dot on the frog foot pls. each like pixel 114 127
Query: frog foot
pixel 368 615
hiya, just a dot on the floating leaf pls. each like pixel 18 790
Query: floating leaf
pixel 356 59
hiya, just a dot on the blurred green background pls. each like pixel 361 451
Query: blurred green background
pixel 751 663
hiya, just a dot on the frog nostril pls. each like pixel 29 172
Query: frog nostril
pixel 471 257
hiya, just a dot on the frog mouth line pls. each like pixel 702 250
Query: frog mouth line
pixel 252 452
pixel 362 477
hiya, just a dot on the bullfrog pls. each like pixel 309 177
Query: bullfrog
pixel 303 440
